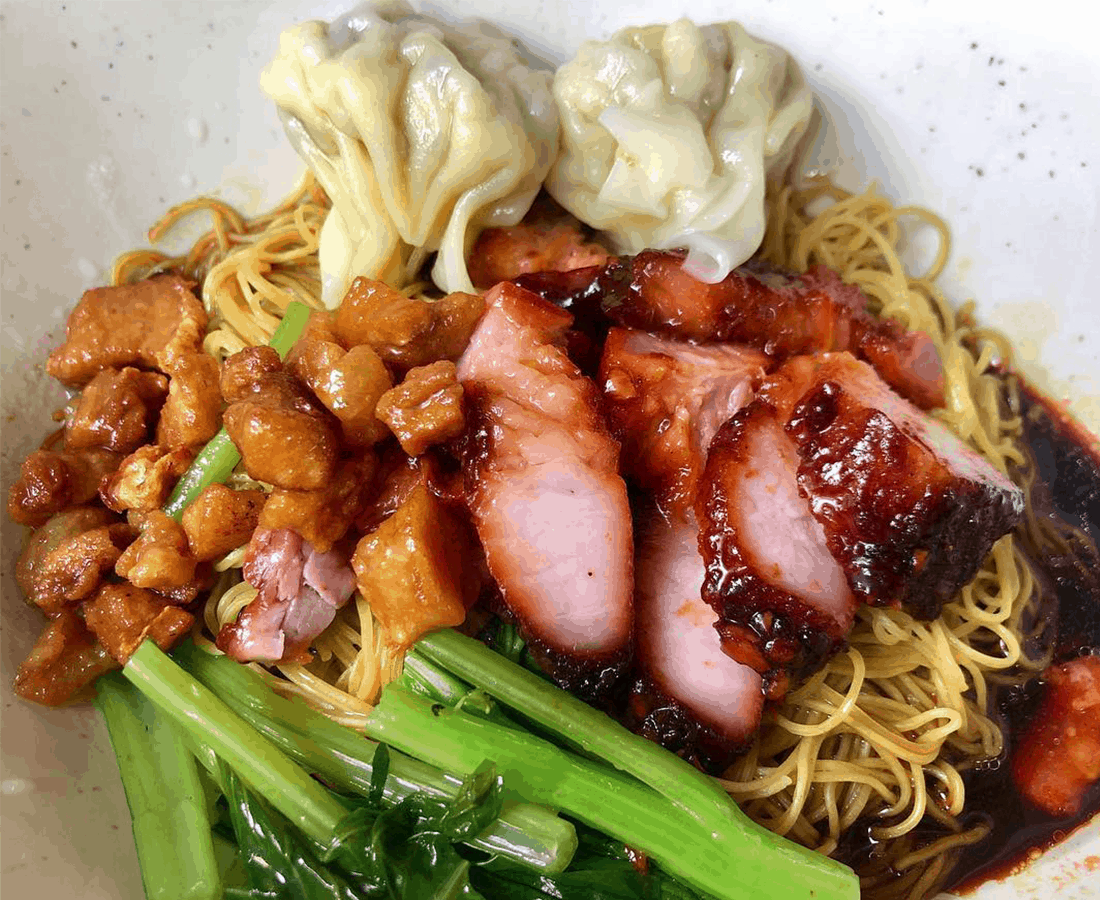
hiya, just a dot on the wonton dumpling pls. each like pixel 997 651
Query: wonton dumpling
pixel 421 133
pixel 669 134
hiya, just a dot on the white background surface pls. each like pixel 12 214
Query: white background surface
pixel 111 112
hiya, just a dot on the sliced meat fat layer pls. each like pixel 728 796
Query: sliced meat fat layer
pixel 782 599
pixel 779 312
pixel 693 698
pixel 666 399
pixel 908 509
pixel 541 472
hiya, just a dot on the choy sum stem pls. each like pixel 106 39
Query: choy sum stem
pixel 767 865
pixel 259 763
pixel 525 833
pixel 167 803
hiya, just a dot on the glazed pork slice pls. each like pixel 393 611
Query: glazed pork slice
pixel 908 510
pixel 779 312
pixel 544 491
pixel 692 698
pixel 666 399
pixel 782 599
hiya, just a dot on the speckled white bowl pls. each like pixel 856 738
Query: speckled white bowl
pixel 113 111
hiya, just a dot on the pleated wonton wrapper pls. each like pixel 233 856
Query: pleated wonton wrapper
pixel 421 133
pixel 669 133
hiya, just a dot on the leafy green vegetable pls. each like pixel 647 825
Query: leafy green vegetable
pixel 525 833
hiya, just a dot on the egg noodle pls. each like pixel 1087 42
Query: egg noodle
pixel 873 745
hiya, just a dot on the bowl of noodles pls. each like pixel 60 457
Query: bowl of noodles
pixel 113 116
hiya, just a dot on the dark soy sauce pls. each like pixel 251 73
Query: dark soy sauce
pixel 1067 490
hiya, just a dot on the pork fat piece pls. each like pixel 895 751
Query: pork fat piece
pixel 285 436
pixel 129 325
pixel 542 479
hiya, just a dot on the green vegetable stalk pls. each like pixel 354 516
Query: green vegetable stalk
pixel 167 802
pixel 524 833
pixel 259 763
pixel 766 865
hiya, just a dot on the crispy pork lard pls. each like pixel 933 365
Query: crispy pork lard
pixel 908 510
pixel 781 313
pixel 691 697
pixel 544 489
pixel 128 325
pixel 666 399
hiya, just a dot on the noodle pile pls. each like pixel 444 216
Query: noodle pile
pixel 880 737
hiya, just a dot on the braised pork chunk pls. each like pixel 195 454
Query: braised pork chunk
pixel 128 325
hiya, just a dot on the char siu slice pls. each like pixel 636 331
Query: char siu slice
pixel 782 600
pixel 779 312
pixel 909 511
pixel 544 491
pixel 692 698
pixel 666 399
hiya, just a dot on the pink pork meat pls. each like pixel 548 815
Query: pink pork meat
pixel 543 488
pixel 300 591
pixel 667 399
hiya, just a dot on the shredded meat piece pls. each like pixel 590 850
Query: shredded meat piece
pixel 348 382
pixel 160 558
pixel 323 517
pixel 284 435
pixel 220 520
pixel 406 331
pixel 50 481
pixel 426 408
pixel 128 325
pixel 116 410
pixel 65 659
pixel 192 413
pixel 121 616
pixel 145 478
pixel 414 568
pixel 502 254
pixel 66 558
pixel 299 592
pixel 1059 757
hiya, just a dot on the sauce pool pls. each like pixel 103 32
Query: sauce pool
pixel 1067 491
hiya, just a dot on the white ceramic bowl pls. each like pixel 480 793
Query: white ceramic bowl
pixel 113 111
